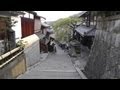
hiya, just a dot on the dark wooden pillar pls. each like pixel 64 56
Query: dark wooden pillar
pixel 88 19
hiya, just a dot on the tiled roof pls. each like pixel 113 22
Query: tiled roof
pixel 82 13
pixel 88 30
pixel 11 13
pixel 45 25
pixel 52 35
pixel 79 14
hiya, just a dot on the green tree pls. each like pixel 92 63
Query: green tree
pixel 9 24
pixel 64 27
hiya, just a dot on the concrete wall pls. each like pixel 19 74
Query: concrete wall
pixel 14 68
pixel 32 50
pixel 104 58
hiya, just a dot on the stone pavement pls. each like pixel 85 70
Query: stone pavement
pixel 81 60
pixel 55 66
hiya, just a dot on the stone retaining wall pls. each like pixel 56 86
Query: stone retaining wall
pixel 104 58
pixel 15 67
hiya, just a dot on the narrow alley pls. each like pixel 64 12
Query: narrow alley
pixel 87 44
pixel 55 66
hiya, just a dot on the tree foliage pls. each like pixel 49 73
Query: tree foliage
pixel 70 21
pixel 9 23
pixel 63 27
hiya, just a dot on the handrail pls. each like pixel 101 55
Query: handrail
pixel 9 53
pixel 2 65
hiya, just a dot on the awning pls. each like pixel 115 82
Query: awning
pixel 52 35
pixel 82 13
pixel 41 36
pixel 50 30
pixel 45 25
pixel 83 30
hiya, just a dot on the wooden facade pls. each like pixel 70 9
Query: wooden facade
pixel 2 28
pixel 31 25
pixel 86 31
pixel 45 40
pixel 27 26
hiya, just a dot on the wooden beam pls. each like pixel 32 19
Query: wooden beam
pixel 32 12
pixel 29 15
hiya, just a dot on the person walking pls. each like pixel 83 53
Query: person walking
pixel 53 46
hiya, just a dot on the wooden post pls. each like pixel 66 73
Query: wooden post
pixel 88 16
pixel 29 15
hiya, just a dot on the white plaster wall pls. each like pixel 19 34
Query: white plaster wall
pixel 17 27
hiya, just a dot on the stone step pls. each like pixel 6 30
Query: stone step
pixel 46 77
pixel 49 75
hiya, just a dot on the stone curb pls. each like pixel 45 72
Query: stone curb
pixel 80 72
pixel 82 75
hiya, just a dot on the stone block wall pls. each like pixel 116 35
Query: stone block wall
pixel 14 68
pixel 104 58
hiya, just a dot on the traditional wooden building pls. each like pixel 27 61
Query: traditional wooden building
pixel 85 35
pixel 28 24
pixel 46 31
pixel 85 32
pixel 31 24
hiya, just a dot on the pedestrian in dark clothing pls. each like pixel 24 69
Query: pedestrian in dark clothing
pixel 50 46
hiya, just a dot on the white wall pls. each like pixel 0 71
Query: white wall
pixel 27 15
pixel 17 27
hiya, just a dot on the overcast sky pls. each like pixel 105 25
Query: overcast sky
pixel 54 15
pixel 49 15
